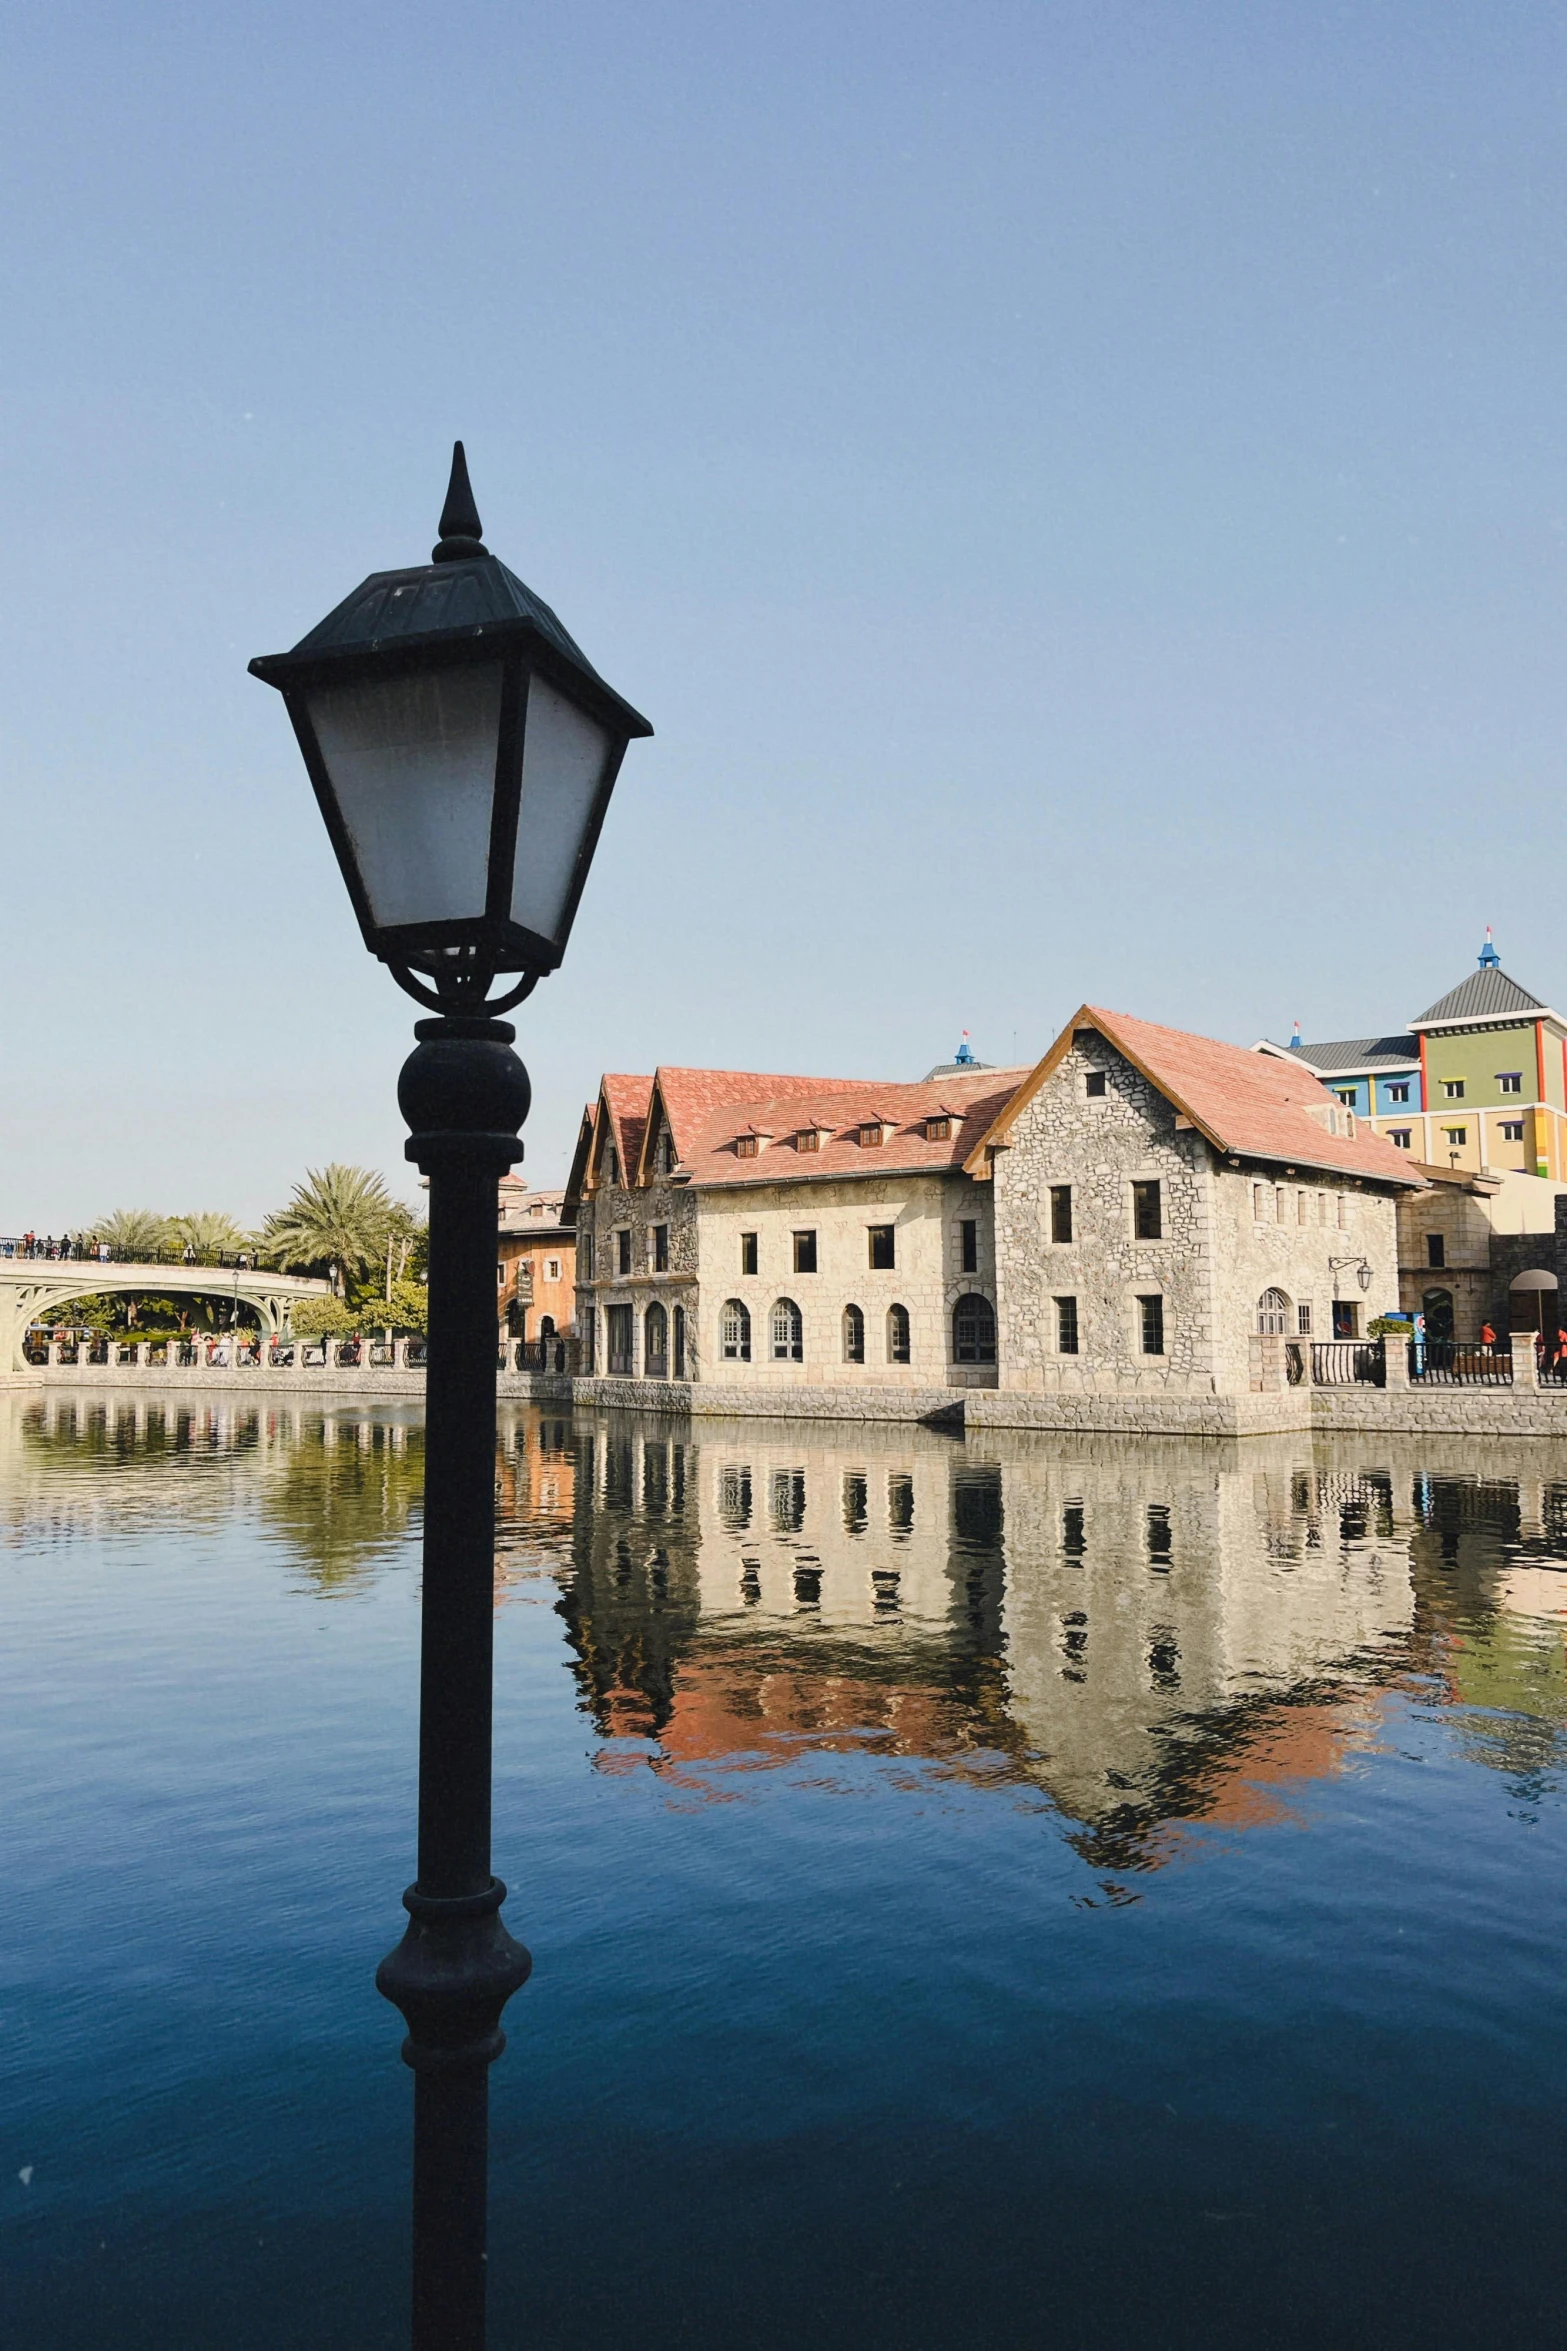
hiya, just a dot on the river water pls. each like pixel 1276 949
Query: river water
pixel 988 1891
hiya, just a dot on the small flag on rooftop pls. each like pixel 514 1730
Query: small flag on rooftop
pixel 965 1052
pixel 1295 1038
pixel 1489 959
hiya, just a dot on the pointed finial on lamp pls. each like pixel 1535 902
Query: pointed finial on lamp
pixel 1489 959
pixel 460 524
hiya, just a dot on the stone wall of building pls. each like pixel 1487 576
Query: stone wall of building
pixel 926 1278
pixel 1285 1235
pixel 605 1213
pixel 1101 1145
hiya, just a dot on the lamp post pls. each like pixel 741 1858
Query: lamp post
pixel 462 752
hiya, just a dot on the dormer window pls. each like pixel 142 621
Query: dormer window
pixel 873 1134
pixel 747 1146
pixel 808 1139
pixel 938 1129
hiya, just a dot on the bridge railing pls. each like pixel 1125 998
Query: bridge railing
pixel 80 1251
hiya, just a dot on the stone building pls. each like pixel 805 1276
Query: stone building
pixel 782 1233
pixel 1176 1215
pixel 1143 1213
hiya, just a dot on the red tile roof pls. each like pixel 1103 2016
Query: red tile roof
pixel 1249 1105
pixel 690 1097
pixel 626 1099
pixel 740 1103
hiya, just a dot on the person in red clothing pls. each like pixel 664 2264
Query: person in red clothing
pixel 1487 1335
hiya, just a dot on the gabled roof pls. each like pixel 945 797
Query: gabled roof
pixel 1349 1054
pixel 1487 994
pixel 579 1164
pixel 839 1108
pixel 1249 1105
pixel 623 1105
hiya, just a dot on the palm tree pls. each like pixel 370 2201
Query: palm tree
pixel 133 1233
pixel 210 1233
pixel 339 1216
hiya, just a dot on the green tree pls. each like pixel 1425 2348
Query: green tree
pixel 409 1309
pixel 133 1232
pixel 210 1232
pixel 339 1216
pixel 323 1318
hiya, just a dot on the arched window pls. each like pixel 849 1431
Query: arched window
pixel 788 1332
pixel 1273 1314
pixel 853 1335
pixel 735 1332
pixel 680 1342
pixel 655 1342
pixel 897 1334
pixel 974 1330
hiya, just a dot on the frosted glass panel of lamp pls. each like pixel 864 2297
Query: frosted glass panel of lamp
pixel 412 765
pixel 563 755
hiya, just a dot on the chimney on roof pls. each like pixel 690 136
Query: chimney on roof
pixel 1489 959
pixel 1295 1038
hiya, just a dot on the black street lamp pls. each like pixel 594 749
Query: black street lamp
pixel 463 753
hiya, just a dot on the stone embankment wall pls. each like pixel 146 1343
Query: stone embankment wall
pixel 1140 1415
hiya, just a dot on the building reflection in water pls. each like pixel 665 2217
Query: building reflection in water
pixel 1147 1635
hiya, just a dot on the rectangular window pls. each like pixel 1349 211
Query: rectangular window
pixel 585 1256
pixel 552 1269
pixel 746 1146
pixel 1094 1083
pixel 808 1139
pixel 1322 1208
pixel 1302 1207
pixel 1066 1326
pixel 1509 1081
pixel 1346 1318
pixel 881 1243
pixel 1398 1093
pixel 1147 1211
pixel 1303 1321
pixel 968 1244
pixel 1060 1212
pixel 1346 1095
pixel 621 1327
pixel 500 1277
pixel 1259 1201
pixel 1343 1212
pixel 938 1130
pixel 1151 1312
pixel 805 1252
pixel 1399 1138
pixel 1453 1088
pixel 661 1248
pixel 1436 1249
pixel 748 1252
pixel 1281 1207
pixel 1512 1130
pixel 623 1249
pixel 1458 1135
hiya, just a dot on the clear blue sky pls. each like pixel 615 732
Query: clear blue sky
pixel 1079 490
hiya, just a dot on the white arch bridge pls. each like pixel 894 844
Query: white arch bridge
pixel 33 1289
